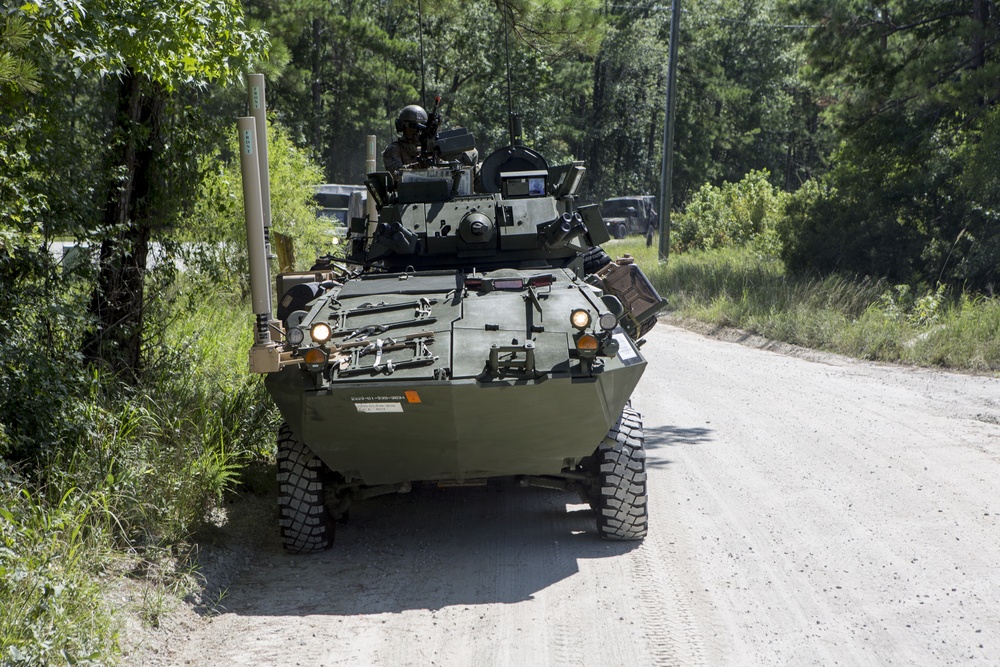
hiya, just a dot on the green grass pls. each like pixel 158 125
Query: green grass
pixel 122 495
pixel 50 551
pixel 867 319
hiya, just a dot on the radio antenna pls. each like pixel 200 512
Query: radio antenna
pixel 420 29
pixel 506 41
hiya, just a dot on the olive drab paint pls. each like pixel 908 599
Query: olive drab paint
pixel 442 347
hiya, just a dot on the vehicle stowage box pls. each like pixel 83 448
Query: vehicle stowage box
pixel 631 285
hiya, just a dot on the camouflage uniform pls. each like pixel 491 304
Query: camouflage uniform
pixel 399 154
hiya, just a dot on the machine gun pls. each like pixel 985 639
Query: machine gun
pixel 442 147
pixel 428 135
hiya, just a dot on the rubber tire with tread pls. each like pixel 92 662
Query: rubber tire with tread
pixel 306 526
pixel 595 259
pixel 621 502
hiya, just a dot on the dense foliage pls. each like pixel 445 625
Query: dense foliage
pixel 910 89
pixel 849 138
pixel 731 215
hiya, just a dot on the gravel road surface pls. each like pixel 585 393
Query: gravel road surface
pixel 805 509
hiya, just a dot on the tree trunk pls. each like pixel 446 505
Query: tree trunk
pixel 981 16
pixel 317 82
pixel 118 298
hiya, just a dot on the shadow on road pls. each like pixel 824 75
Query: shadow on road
pixel 429 549
pixel 669 435
pixel 658 438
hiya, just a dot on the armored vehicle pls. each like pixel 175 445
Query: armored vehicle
pixel 628 215
pixel 476 330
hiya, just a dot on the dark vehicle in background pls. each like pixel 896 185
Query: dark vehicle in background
pixel 628 215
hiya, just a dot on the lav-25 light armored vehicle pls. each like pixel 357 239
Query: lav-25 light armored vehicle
pixel 476 332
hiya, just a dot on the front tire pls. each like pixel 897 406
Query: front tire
pixel 595 259
pixel 621 499
pixel 305 523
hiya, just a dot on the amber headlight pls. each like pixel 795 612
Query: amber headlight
pixel 315 359
pixel 321 332
pixel 580 319
pixel 587 343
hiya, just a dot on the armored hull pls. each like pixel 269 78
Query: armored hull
pixel 474 330
pixel 467 383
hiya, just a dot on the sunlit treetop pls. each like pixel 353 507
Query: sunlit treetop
pixel 193 42
pixel 553 28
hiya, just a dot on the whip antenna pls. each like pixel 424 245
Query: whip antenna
pixel 510 103
pixel 420 29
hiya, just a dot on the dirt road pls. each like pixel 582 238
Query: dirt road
pixel 804 510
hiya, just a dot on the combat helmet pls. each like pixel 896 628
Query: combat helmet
pixel 413 116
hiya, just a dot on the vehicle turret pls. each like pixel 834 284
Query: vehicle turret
pixel 475 331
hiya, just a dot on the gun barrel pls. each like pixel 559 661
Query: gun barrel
pixel 558 231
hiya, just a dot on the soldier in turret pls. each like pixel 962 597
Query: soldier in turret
pixel 406 149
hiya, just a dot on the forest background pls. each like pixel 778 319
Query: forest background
pixel 818 145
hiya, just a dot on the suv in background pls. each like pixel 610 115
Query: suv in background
pixel 336 201
pixel 621 221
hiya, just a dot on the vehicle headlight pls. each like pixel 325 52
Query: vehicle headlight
pixel 321 332
pixel 608 321
pixel 580 319
pixel 295 336
pixel 315 359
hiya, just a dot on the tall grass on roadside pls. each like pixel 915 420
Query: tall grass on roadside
pixel 962 333
pixel 148 464
pixel 52 612
pixel 165 452
pixel 864 318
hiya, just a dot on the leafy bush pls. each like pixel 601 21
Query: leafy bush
pixel 215 233
pixel 42 401
pixel 902 305
pixel 44 386
pixel 910 212
pixel 733 215
pixel 977 261
pixel 818 234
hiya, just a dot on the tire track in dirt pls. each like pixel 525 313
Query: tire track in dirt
pixel 671 634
